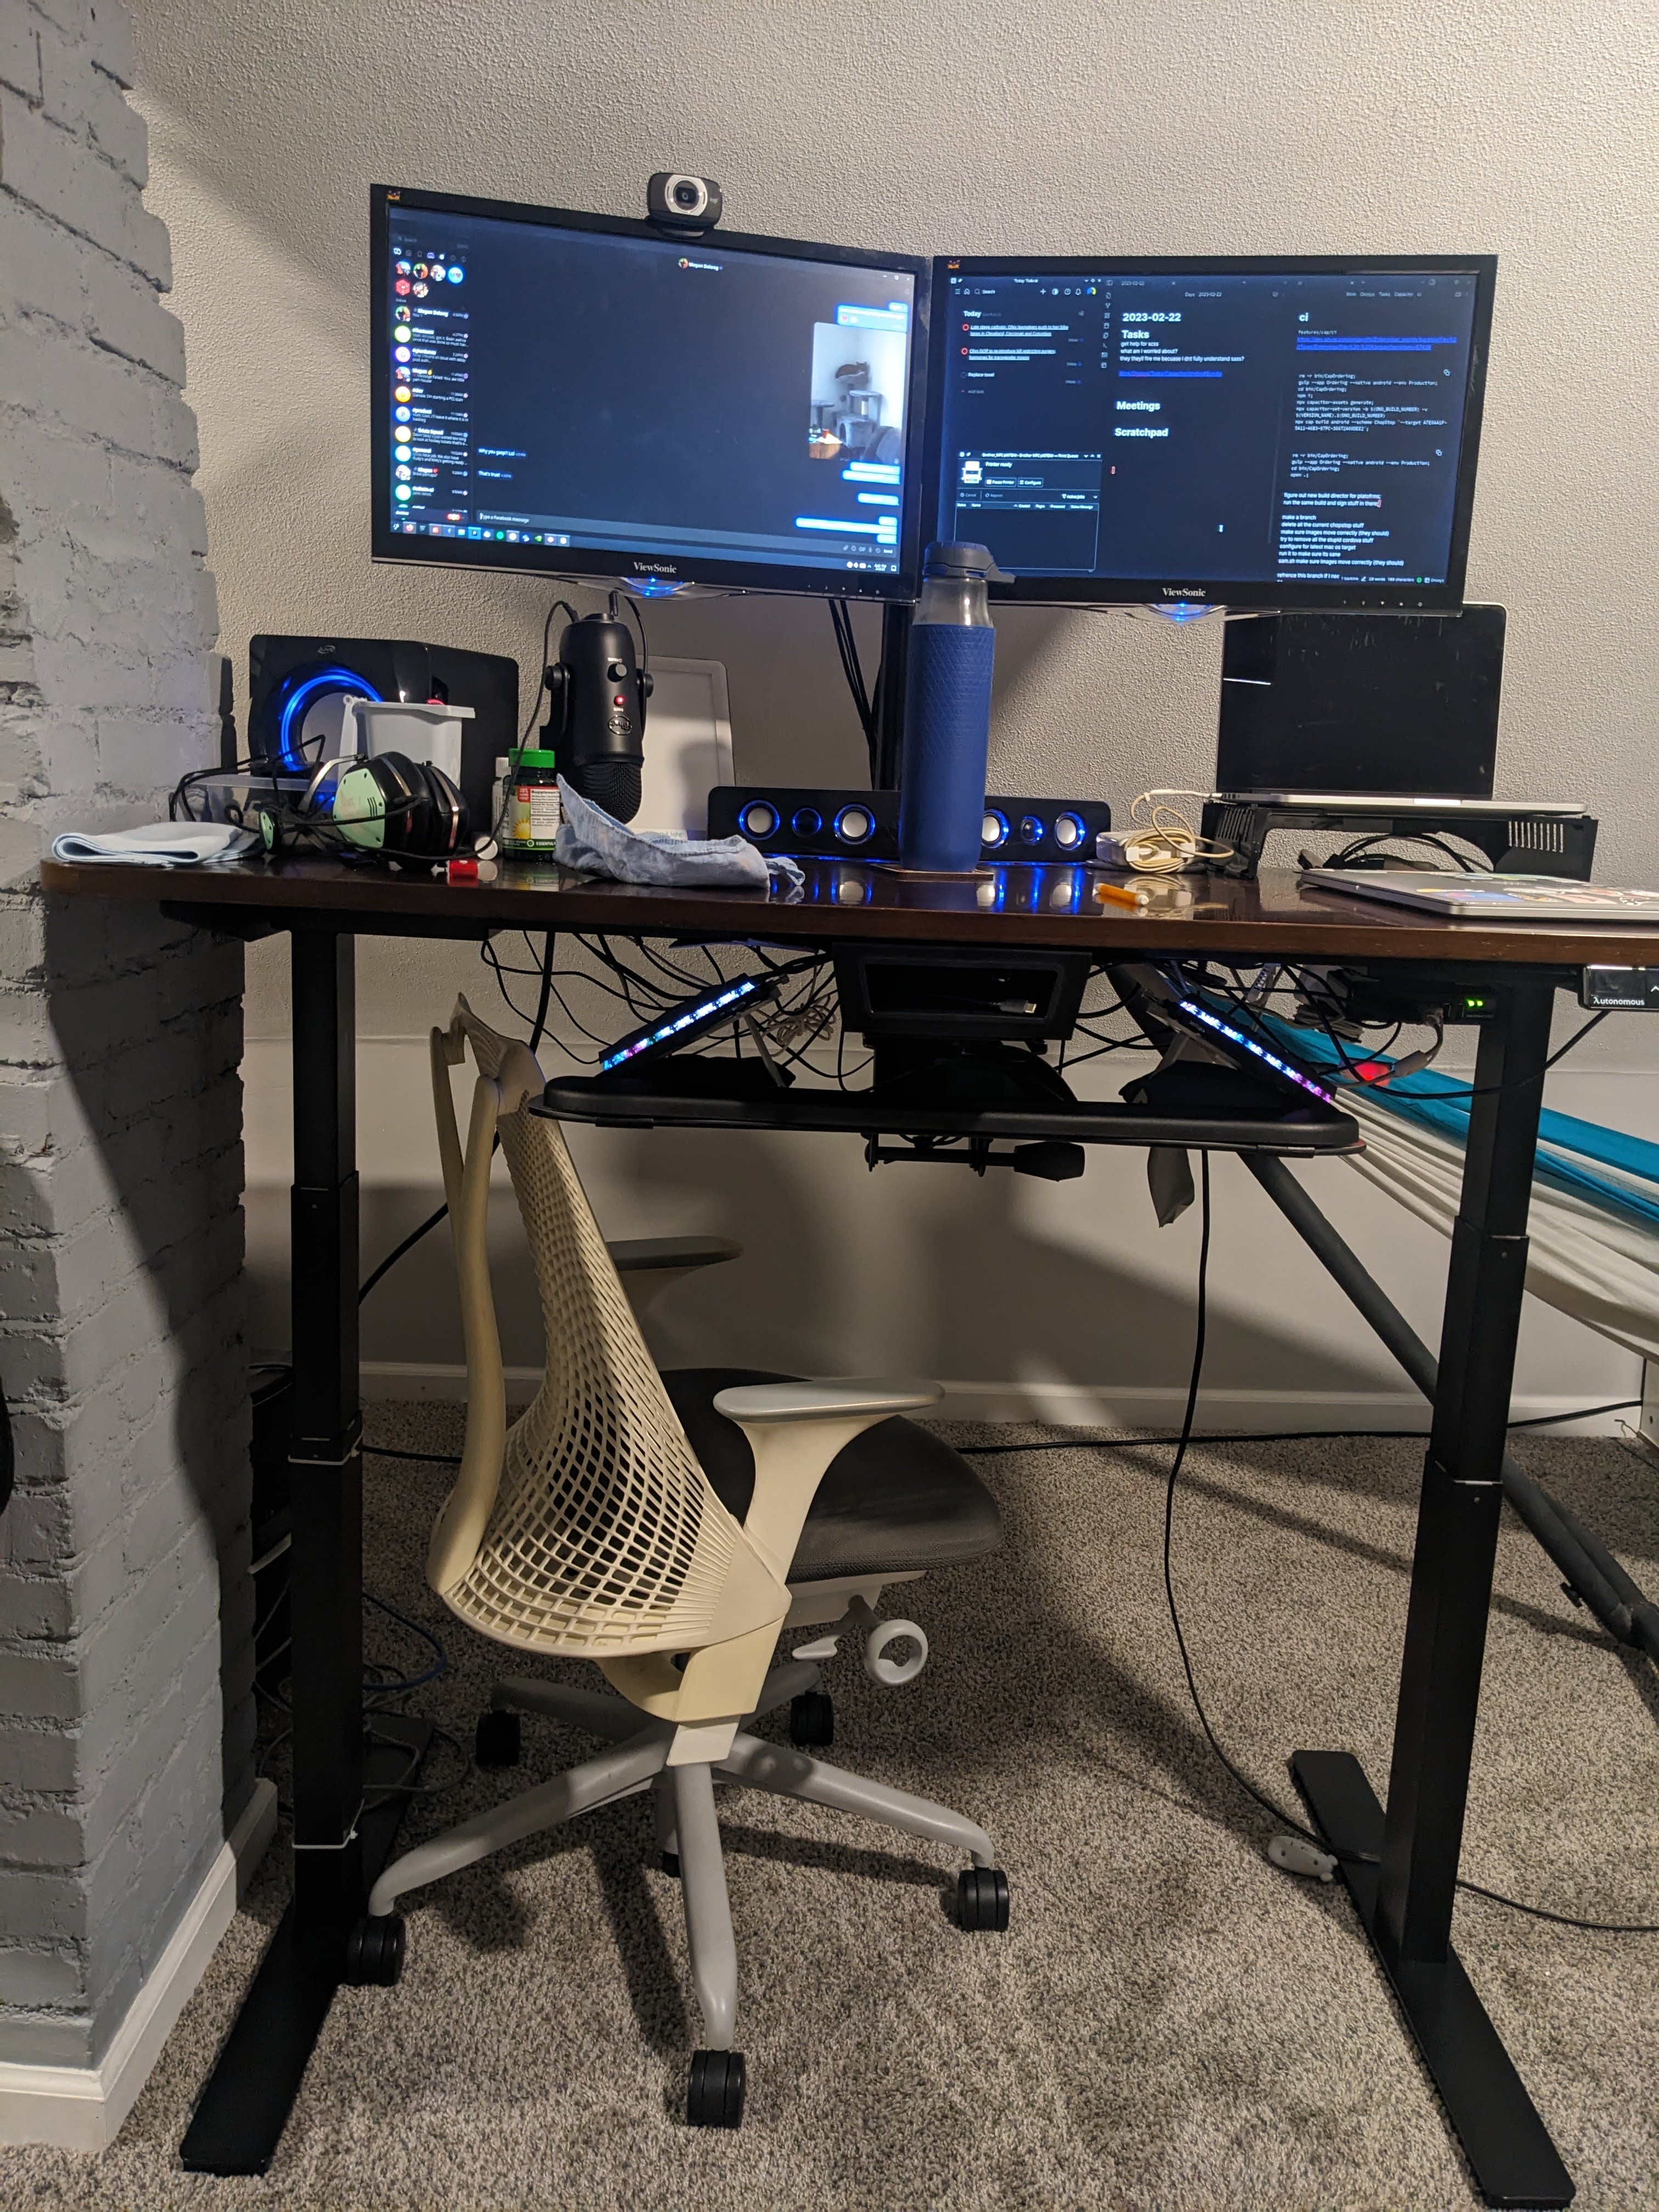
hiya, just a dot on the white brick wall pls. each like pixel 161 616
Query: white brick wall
pixel 125 1697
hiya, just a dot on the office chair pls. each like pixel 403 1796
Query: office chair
pixel 667 1528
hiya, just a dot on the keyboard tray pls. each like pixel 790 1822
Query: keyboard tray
pixel 751 1101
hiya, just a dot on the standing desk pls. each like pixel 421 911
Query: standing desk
pixel 1401 1867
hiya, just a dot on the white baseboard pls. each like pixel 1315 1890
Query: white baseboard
pixel 406 1378
pixel 81 2107
pixel 1107 1406
pixel 1080 1406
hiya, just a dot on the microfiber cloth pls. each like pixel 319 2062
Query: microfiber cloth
pixel 160 844
pixel 590 838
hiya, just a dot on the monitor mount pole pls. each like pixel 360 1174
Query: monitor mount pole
pixel 889 695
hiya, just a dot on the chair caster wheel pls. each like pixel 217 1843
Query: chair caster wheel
pixel 811 1720
pixel 714 2097
pixel 982 1898
pixel 499 1740
pixel 670 1864
pixel 375 1952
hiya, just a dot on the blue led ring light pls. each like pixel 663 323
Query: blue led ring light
pixel 305 695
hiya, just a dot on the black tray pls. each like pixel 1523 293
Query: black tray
pixel 643 1101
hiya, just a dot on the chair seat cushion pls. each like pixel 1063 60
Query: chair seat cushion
pixel 896 1499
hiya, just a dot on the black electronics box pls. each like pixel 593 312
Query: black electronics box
pixel 291 679
pixel 1361 704
pixel 954 990
pixel 863 825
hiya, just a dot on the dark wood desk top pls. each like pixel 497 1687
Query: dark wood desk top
pixel 1273 918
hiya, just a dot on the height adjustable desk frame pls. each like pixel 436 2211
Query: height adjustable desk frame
pixel 1402 1870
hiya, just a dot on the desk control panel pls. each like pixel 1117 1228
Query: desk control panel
pixel 1623 990
pixel 842 825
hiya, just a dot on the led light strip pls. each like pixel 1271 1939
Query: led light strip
pixel 745 987
pixel 1237 1036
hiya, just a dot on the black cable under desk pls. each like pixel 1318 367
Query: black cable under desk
pixel 1401 1864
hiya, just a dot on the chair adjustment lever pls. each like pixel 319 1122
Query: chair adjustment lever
pixel 892 1674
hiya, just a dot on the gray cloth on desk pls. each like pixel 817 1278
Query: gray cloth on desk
pixel 590 838
pixel 160 844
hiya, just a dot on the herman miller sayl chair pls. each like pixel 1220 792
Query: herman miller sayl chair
pixel 667 1529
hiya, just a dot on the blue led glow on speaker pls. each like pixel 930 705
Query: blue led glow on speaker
pixel 307 695
pixel 1272 1059
pixel 993 832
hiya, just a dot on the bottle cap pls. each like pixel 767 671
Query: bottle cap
pixel 958 560
pixel 535 756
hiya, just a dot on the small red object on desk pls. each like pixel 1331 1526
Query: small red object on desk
pixel 462 871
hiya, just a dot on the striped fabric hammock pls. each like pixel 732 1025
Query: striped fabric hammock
pixel 1594 1231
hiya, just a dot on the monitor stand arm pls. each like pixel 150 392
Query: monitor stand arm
pixel 889 695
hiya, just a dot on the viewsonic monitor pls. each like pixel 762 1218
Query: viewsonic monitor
pixel 580 395
pixel 1246 433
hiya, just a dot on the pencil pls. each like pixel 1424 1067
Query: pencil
pixel 1120 895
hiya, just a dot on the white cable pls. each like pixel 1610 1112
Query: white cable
pixel 1162 841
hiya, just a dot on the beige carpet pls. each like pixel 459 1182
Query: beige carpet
pixel 1169 2025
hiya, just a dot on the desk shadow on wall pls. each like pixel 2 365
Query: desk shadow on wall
pixel 926 1271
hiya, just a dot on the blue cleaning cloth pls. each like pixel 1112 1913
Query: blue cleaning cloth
pixel 591 839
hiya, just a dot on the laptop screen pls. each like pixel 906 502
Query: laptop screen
pixel 1369 705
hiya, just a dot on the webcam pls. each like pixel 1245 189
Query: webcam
pixel 687 203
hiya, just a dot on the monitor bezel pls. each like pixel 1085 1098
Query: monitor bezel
pixel 583 563
pixel 1195 592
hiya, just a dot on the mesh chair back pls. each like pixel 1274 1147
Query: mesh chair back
pixel 604 1536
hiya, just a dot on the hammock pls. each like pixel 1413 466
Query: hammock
pixel 1594 1229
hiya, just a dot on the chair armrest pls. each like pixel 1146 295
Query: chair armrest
pixel 763 1404
pixel 631 1254
pixel 795 1430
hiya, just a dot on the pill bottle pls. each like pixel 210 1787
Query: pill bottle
pixel 531 814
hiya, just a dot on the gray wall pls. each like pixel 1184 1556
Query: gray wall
pixel 1519 126
pixel 126 1704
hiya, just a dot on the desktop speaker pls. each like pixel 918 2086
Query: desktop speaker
pixel 863 825
pixel 296 685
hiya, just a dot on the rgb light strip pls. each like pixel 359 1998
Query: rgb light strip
pixel 1272 1059
pixel 702 1010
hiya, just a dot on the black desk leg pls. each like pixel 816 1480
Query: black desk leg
pixel 338 1847
pixel 1404 1896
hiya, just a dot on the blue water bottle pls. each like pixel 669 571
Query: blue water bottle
pixel 947 713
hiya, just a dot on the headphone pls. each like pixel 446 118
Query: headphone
pixel 386 808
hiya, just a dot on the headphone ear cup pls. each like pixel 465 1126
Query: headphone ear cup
pixel 448 817
pixel 415 809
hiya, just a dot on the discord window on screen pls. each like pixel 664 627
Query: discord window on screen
pixel 1303 429
pixel 563 387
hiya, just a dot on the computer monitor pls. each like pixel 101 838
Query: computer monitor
pixel 1247 433
pixel 580 395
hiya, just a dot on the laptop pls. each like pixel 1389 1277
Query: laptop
pixel 1394 712
pixel 1481 897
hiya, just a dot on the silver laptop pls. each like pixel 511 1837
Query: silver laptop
pixel 1481 897
pixel 1372 802
pixel 1372 714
